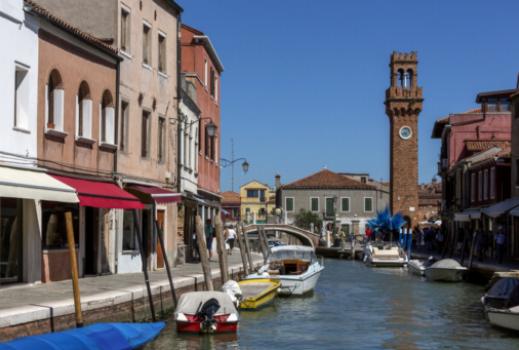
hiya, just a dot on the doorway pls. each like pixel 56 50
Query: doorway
pixel 91 240
pixel 160 227
pixel 10 240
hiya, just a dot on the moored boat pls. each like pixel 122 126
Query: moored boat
pixel 296 267
pixel 384 255
pixel 417 266
pixel 257 293
pixel 99 336
pixel 206 312
pixel 504 318
pixel 445 270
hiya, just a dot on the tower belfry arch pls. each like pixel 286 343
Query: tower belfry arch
pixel 404 102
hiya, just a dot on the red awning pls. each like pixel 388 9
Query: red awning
pixel 100 194
pixel 157 194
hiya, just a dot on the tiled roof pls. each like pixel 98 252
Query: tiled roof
pixel 41 11
pixel 230 197
pixel 481 145
pixel 326 179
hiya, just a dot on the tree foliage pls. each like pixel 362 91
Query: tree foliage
pixel 304 218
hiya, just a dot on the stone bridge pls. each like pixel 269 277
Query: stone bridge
pixel 296 235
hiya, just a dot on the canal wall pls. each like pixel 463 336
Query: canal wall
pixel 127 304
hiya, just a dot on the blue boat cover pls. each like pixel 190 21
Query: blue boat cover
pixel 100 336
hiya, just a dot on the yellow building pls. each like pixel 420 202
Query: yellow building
pixel 258 201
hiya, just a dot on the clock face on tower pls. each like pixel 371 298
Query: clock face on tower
pixel 405 132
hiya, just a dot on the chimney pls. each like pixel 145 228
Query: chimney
pixel 278 181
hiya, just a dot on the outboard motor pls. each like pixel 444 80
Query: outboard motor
pixel 206 314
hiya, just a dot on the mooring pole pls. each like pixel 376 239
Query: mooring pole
pixel 222 252
pixel 263 244
pixel 204 257
pixel 160 235
pixel 140 243
pixel 239 236
pixel 73 268
pixel 247 249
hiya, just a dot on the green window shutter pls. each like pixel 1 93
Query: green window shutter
pixel 315 204
pixel 345 206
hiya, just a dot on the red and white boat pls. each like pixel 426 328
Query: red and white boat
pixel 206 312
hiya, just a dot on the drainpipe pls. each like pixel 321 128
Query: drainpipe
pixel 179 92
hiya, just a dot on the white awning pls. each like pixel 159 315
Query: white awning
pixel 501 208
pixel 33 184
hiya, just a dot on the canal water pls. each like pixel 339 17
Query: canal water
pixel 357 307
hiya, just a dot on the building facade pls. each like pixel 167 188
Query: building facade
pixel 403 102
pixel 231 204
pixel 257 202
pixel 335 198
pixel 202 66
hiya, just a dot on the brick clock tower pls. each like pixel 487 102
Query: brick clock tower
pixel 403 105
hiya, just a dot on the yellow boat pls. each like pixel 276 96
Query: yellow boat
pixel 258 292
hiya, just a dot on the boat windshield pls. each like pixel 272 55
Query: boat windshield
pixel 290 254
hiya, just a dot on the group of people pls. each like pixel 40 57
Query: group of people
pixel 210 234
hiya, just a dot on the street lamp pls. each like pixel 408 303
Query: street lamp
pixel 224 163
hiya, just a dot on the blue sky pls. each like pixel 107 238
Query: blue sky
pixel 304 81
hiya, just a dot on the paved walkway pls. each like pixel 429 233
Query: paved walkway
pixel 26 303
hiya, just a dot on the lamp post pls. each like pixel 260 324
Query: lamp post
pixel 224 163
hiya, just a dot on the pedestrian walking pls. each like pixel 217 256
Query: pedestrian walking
pixel 231 237
pixel 209 236
pixel 500 245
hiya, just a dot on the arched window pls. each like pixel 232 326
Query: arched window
pixel 84 111
pixel 400 78
pixel 107 119
pixel 408 79
pixel 54 100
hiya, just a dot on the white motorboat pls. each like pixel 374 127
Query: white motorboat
pixel 445 270
pixel 297 268
pixel 504 318
pixel 384 255
pixel 417 266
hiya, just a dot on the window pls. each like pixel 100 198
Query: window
pixel 314 204
pixel 330 206
pixel 107 119
pixel 345 204
pixel 345 228
pixel 11 222
pixel 161 139
pixel 145 134
pixel 125 30
pixel 368 204
pixel 54 230
pixel 196 150
pixel 485 184
pixel 146 44
pixel 83 111
pixel 252 193
pixel 517 172
pixel 162 53
pixel 492 182
pixel 129 233
pixel 289 204
pixel 54 101
pixel 206 68
pixel 262 212
pixel 212 82
pixel 212 144
pixel 216 90
pixel 123 137
pixel 21 97
pixel 262 195
pixel 473 187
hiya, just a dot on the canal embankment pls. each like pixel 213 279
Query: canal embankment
pixel 42 308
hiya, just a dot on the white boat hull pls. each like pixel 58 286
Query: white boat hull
pixel 300 284
pixel 504 318
pixel 400 262
pixel 445 275
pixel 384 257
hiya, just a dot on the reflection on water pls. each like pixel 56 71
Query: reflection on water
pixel 356 307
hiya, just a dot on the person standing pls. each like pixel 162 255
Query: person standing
pixel 231 237
pixel 209 235
pixel 500 245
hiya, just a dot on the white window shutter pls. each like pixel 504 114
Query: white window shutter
pixel 110 125
pixel 87 118
pixel 46 105
pixel 59 99
pixel 101 123
pixel 77 116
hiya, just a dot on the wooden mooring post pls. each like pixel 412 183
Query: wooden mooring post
pixel 239 236
pixel 247 250
pixel 74 269
pixel 204 255
pixel 263 243
pixel 222 252
pixel 160 235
